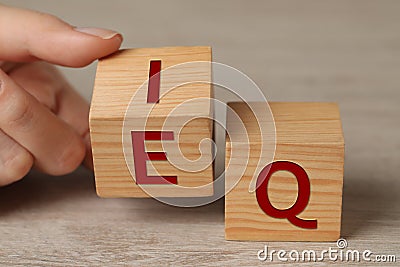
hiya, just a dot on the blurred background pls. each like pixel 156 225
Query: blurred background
pixel 344 51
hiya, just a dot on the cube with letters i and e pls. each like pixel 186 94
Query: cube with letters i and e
pixel 149 117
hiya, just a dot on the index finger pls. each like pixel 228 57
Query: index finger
pixel 27 35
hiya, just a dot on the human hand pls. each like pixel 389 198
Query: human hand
pixel 43 120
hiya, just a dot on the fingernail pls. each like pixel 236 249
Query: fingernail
pixel 99 32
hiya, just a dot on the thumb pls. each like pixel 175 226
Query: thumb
pixel 27 35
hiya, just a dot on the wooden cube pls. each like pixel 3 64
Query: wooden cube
pixel 140 97
pixel 299 195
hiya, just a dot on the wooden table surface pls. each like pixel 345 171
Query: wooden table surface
pixel 342 51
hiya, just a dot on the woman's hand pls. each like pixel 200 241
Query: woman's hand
pixel 43 120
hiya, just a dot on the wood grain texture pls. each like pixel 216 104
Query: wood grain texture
pixel 308 134
pixel 342 51
pixel 183 108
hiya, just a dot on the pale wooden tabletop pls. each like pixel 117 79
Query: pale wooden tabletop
pixel 342 51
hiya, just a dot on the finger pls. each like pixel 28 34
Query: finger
pixel 88 160
pixel 8 66
pixel 49 87
pixel 41 80
pixel 15 161
pixel 74 110
pixel 57 148
pixel 29 35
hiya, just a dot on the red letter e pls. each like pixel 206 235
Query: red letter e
pixel 141 156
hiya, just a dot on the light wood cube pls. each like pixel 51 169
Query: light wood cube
pixel 131 96
pixel 309 146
